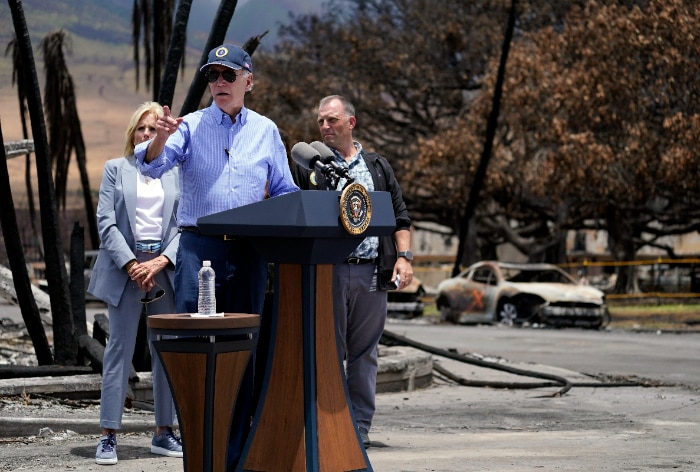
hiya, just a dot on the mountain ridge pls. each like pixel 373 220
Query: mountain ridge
pixel 109 21
pixel 99 57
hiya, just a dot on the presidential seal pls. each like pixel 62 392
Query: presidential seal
pixel 355 209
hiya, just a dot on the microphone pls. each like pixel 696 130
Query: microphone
pixel 328 158
pixel 327 155
pixel 304 155
pixel 340 171
pixel 312 158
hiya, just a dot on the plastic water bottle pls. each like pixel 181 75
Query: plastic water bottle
pixel 206 302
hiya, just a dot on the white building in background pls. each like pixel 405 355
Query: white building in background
pixel 595 243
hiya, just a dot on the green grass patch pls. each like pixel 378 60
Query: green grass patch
pixel 679 309
pixel 665 317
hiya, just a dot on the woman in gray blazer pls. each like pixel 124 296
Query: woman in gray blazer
pixel 136 218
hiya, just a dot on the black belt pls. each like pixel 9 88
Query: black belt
pixel 358 260
pixel 190 229
pixel 195 230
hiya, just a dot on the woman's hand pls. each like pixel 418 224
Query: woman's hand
pixel 143 273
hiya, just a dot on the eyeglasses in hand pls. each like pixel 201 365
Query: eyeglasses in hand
pixel 213 75
pixel 159 294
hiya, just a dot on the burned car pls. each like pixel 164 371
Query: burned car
pixel 510 293
pixel 407 302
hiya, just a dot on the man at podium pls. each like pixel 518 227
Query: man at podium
pixel 377 265
pixel 228 156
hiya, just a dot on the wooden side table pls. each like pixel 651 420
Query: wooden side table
pixel 204 359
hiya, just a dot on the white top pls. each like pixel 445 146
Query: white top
pixel 149 208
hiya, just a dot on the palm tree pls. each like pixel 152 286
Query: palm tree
pixel 216 37
pixel 176 53
pixel 20 277
pixel 155 17
pixel 65 345
pixel 65 133
pixel 18 79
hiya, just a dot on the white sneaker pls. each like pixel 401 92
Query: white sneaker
pixel 107 450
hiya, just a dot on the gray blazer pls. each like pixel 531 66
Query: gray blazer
pixel 116 223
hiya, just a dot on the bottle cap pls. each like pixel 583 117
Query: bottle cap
pixel 206 263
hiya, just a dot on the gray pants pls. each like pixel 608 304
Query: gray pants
pixel 116 365
pixel 360 316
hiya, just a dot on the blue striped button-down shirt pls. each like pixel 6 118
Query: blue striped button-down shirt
pixel 223 164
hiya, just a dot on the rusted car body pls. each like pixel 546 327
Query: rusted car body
pixel 509 293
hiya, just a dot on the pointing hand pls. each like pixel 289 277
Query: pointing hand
pixel 167 124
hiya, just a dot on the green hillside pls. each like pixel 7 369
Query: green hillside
pixel 101 29
pixel 105 20
pixel 110 20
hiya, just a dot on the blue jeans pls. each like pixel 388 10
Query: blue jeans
pixel 241 278
pixel 241 274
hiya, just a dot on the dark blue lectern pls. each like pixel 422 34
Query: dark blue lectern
pixel 303 421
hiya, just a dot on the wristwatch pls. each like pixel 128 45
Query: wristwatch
pixel 408 255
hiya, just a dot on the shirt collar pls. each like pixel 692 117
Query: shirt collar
pixel 355 157
pixel 223 118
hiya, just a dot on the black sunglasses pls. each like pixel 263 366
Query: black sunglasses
pixel 213 75
pixel 159 294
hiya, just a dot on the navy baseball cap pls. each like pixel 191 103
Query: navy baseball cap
pixel 230 56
